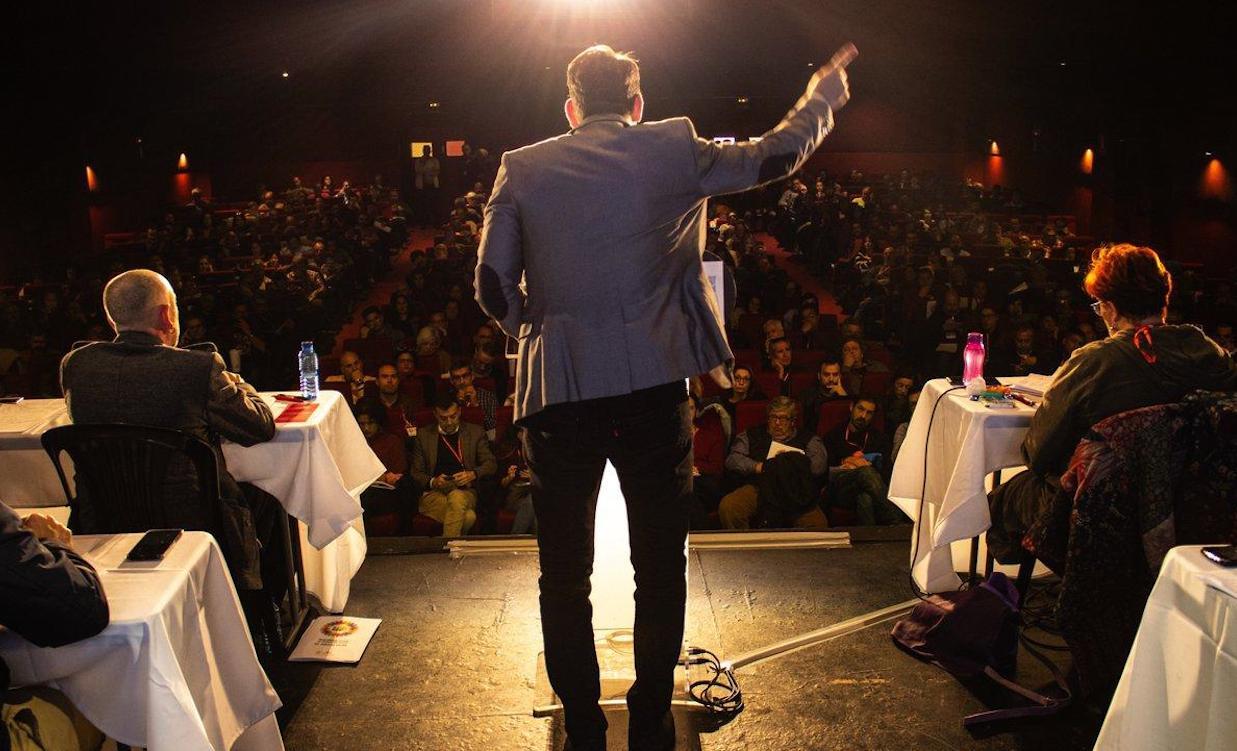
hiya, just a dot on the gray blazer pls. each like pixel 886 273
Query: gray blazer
pixel 590 252
pixel 137 380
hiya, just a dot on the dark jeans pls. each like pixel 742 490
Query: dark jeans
pixel 647 436
pixel 1014 507
pixel 863 491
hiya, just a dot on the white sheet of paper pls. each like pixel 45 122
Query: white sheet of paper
pixel 29 414
pixel 335 638
pixel 776 448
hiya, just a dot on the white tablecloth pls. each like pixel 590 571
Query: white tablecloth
pixel 968 441
pixel 1179 686
pixel 317 469
pixel 175 669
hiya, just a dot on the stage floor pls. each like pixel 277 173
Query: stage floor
pixel 453 664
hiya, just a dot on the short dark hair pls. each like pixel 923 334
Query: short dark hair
pixel 371 309
pixel 460 362
pixel 602 81
pixel 444 402
pixel 372 408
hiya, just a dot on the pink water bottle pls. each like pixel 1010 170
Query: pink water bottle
pixel 973 357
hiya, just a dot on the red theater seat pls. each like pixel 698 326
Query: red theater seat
pixel 832 414
pixel 749 414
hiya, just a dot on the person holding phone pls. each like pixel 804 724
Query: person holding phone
pixel 448 460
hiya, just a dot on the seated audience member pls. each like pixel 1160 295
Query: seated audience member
pixel 744 389
pixel 469 395
pixel 945 335
pixel 708 462
pixel 401 409
pixel 406 366
pixel 1143 362
pixel 352 374
pixel 855 483
pixel 808 336
pixel 376 326
pixel 898 406
pixel 388 446
pixel 773 329
pixel 514 483
pixel 781 362
pixel 780 491
pixel 1024 358
pixel 855 366
pixel 142 378
pixel 50 596
pixel 488 362
pixel 431 357
pixel 448 459
pixel 1224 337
pixel 828 388
pixel 899 433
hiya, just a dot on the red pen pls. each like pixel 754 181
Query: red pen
pixel 1023 399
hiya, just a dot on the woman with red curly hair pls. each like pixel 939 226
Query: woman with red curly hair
pixel 1142 362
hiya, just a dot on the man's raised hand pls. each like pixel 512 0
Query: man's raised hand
pixel 830 79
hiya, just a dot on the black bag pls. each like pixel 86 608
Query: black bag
pixel 974 632
pixel 785 489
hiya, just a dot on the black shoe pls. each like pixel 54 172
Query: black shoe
pixel 656 736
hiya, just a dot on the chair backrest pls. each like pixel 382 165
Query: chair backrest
pixel 876 383
pixel 503 418
pixel 749 414
pixel 127 472
pixel 374 352
pixel 832 414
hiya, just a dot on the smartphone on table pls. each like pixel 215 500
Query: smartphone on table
pixel 154 545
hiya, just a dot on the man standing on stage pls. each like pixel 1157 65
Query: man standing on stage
pixel 590 257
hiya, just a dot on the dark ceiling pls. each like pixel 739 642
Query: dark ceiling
pixel 207 75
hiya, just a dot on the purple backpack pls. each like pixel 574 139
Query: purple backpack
pixel 974 632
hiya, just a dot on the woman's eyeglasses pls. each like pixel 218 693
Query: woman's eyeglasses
pixel 1095 307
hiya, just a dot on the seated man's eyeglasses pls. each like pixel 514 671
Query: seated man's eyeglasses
pixel 1095 306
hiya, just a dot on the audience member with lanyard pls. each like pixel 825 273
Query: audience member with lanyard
pixel 1143 362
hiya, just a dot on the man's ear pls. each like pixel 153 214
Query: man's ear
pixel 637 108
pixel 573 114
pixel 163 318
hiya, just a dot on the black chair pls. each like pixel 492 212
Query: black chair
pixel 123 469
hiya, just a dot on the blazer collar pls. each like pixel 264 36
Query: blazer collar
pixel 606 117
pixel 137 337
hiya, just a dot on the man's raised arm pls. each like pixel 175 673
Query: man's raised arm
pixel 500 257
pixel 780 152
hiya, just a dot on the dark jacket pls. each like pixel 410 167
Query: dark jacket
pixel 49 594
pixel 1111 376
pixel 138 381
pixel 474 447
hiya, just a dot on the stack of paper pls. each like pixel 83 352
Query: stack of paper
pixel 1032 385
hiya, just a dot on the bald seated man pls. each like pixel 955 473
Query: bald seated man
pixel 142 378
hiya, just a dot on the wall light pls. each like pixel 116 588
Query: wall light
pixel 92 181
pixel 993 149
pixel 182 164
pixel 1088 161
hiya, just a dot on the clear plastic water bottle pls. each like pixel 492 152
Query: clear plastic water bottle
pixel 309 371
pixel 973 357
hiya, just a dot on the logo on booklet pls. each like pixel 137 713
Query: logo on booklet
pixel 339 628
